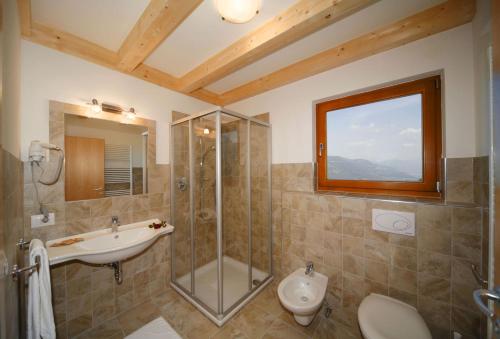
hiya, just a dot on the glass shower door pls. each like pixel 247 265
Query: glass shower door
pixel 261 239
pixel 221 210
pixel 203 141
pixel 181 216
pixel 235 207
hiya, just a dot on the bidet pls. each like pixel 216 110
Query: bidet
pixel 303 294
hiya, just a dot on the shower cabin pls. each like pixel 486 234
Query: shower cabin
pixel 221 210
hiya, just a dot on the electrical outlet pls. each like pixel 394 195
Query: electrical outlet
pixel 37 220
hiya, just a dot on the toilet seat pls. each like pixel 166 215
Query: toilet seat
pixel 382 317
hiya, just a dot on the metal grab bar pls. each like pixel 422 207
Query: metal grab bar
pixel 479 294
pixel 16 271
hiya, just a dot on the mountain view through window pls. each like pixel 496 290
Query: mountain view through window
pixel 380 141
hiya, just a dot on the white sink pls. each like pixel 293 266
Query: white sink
pixel 103 246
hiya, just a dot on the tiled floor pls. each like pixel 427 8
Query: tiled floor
pixel 262 318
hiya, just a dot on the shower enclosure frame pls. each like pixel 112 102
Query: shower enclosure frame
pixel 220 316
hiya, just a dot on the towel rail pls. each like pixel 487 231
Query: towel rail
pixel 16 271
pixel 23 244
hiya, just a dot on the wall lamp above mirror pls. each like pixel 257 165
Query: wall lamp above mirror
pixel 96 108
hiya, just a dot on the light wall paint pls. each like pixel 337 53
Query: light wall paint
pixel 291 107
pixel 11 79
pixel 51 75
pixel 482 41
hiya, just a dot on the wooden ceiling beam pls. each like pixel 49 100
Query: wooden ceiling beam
pixel 298 21
pixel 156 23
pixel 447 15
pixel 24 8
pixel 71 44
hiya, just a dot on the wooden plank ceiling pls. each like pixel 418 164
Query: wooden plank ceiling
pixel 161 17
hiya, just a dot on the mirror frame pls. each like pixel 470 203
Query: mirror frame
pixel 57 112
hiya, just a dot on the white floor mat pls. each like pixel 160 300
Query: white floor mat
pixel 156 329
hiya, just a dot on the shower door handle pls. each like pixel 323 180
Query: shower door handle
pixel 493 295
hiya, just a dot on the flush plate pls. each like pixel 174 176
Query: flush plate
pixel 393 221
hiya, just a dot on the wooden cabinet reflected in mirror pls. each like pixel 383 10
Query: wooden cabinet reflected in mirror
pixel 104 158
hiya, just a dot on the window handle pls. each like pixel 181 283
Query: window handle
pixel 321 149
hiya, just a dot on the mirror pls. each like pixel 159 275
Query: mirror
pixel 104 158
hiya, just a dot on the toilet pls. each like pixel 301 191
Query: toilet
pixel 382 317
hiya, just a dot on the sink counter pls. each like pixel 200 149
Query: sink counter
pixel 104 246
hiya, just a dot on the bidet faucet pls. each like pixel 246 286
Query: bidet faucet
pixel 309 268
pixel 115 222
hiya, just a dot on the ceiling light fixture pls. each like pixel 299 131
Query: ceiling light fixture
pixel 238 11
pixel 206 131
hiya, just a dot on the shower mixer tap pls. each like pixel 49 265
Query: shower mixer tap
pixel 182 184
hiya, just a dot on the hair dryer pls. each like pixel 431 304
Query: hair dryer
pixel 37 153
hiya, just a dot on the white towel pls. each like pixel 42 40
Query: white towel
pixel 40 315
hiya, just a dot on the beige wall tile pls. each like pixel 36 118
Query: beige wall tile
pixel 353 227
pixel 79 325
pixel 460 191
pixel 437 316
pixel 77 287
pixel 434 264
pixel 459 169
pixel 403 280
pixel 353 264
pixel 434 216
pixel 462 273
pixel 466 322
pixel 77 210
pixel 406 297
pixel 353 246
pixel 434 240
pixel 434 287
pixel 354 208
pixel 403 257
pixel 403 240
pixel 377 271
pixel 79 306
pixel 467 246
pixel 372 234
pixel 466 220
pixel 462 295
pixel 377 250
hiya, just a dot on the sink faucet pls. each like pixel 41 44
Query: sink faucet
pixel 309 268
pixel 115 222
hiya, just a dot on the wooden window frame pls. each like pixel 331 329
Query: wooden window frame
pixel 430 89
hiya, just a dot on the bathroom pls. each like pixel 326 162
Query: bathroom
pixel 215 140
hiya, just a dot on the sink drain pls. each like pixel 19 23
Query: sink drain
pixel 304 298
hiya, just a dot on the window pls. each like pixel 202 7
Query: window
pixel 386 141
